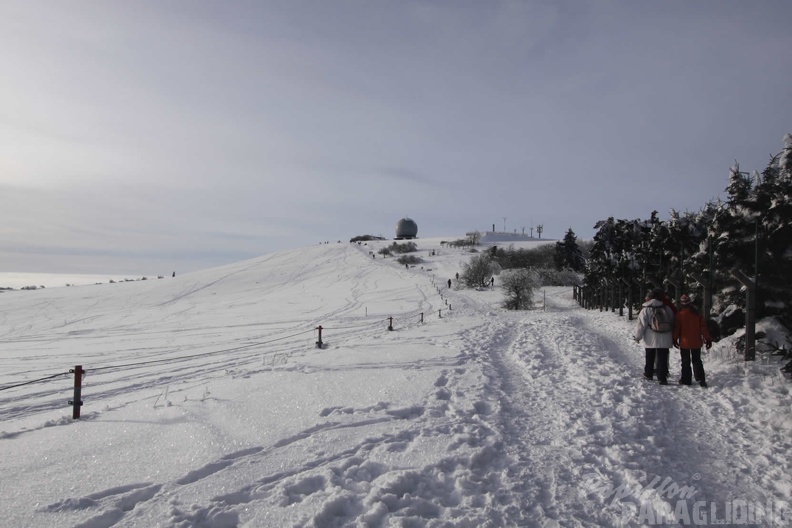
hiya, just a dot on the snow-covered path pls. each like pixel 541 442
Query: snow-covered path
pixel 477 417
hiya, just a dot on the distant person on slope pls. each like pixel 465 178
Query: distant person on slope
pixel 655 327
pixel 449 283
pixel 690 333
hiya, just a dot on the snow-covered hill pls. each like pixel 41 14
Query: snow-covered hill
pixel 207 403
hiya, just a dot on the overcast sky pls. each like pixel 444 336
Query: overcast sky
pixel 148 136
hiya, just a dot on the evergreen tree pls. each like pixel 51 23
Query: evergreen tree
pixel 751 230
pixel 684 235
pixel 785 159
pixel 567 254
pixel 733 234
pixel 656 239
pixel 739 187
pixel 613 254
pixel 599 267
pixel 698 262
pixel 774 213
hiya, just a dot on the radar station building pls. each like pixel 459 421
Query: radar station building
pixel 406 228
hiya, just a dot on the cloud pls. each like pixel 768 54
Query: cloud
pixel 135 129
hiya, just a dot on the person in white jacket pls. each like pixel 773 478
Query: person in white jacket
pixel 657 344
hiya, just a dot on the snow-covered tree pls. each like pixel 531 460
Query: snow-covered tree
pixel 478 272
pixel 785 159
pixel 751 230
pixel 518 287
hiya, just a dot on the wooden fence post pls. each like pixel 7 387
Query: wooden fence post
pixel 750 313
pixel 76 403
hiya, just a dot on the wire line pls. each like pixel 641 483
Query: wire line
pixel 33 381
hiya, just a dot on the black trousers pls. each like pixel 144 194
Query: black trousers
pixel 661 356
pixel 693 354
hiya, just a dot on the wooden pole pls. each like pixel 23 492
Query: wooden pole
pixel 750 313
pixel 319 341
pixel 76 403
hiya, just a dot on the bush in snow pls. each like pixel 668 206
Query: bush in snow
pixel 409 259
pixel 538 257
pixel 518 287
pixel 407 247
pixel 554 277
pixel 477 273
pixel 365 238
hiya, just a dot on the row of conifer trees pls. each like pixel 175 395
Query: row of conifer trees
pixel 750 230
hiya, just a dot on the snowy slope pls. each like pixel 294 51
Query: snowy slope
pixel 207 403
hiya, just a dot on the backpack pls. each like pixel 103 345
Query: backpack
pixel 661 320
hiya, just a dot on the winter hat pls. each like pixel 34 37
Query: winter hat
pixel 684 300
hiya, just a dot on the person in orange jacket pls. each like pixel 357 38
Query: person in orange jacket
pixel 690 333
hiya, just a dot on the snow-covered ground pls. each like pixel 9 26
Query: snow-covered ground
pixel 54 280
pixel 207 403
